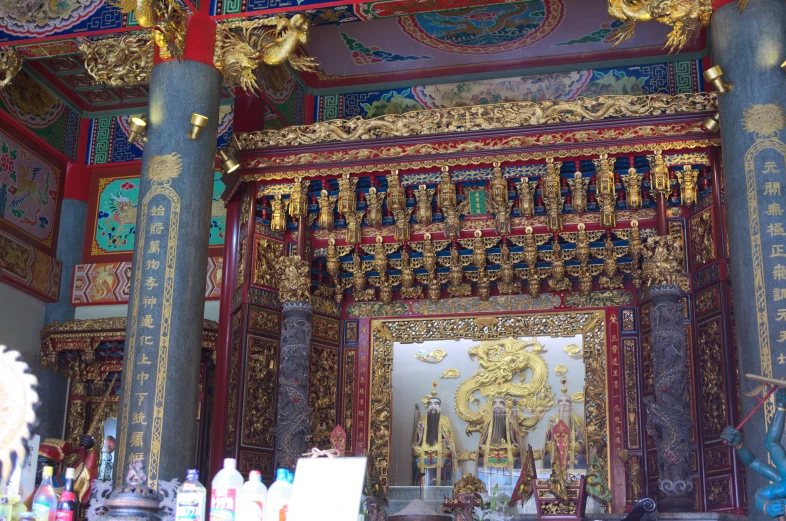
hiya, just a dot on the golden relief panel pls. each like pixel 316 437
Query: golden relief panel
pixel 322 391
pixel 716 458
pixel 267 257
pixel 719 492
pixel 350 356
pixel 479 117
pixel 325 328
pixel 76 420
pixel 237 319
pixel 707 301
pixel 628 320
pixel 631 393
pixel 256 461
pixel 263 320
pixel 702 239
pixel 259 400
pixel 712 385
pixel 231 418
pixel 589 325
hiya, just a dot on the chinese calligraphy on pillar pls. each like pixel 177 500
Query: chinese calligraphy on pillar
pixel 149 329
pixel 765 175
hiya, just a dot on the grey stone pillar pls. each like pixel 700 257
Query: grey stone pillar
pixel 294 413
pixel 53 387
pixel 750 48
pixel 158 403
pixel 668 412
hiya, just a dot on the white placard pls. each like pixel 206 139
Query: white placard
pixel 327 489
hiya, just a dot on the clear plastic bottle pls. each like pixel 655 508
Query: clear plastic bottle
pixel 223 495
pixel 278 497
pixel 191 498
pixel 45 500
pixel 253 499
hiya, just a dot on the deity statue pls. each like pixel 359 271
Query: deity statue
pixel 635 251
pixel 380 261
pixel 327 204
pixel 424 196
pixel 298 200
pixel 632 183
pixel 558 282
pixel 107 459
pixel 610 279
pixel 687 179
pixel 771 498
pixel 347 202
pixel 434 447
pixel 578 189
pixel 333 261
pixel 374 201
pixel 501 210
pixel 354 228
pixel 457 287
pixel 499 449
pixel 498 185
pixel 397 201
pixel 608 218
pixel 446 195
pixel 552 195
pixel 408 289
pixel 506 272
pixel 479 251
pixel 526 189
pixel 402 223
pixel 453 219
pixel 53 452
pixel 565 436
pixel 279 221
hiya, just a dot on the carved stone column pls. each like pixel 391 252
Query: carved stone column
pixel 294 414
pixel 669 419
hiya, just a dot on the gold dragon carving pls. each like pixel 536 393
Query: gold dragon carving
pixel 502 361
pixel 479 117
pixel 249 49
pixel 686 18
pixel 166 19
pixel 245 52
pixel 10 65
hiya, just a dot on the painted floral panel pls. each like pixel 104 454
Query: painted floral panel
pixel 29 187
pixel 115 226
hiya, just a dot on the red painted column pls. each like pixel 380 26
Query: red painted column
pixel 218 428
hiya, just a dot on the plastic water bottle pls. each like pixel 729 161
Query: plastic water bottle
pixel 191 498
pixel 253 499
pixel 278 497
pixel 45 500
pixel 225 488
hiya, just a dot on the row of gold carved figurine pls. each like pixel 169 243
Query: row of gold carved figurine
pixel 412 284
pixel 497 198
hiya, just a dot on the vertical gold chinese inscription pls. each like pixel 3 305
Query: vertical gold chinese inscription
pixel 161 170
pixel 765 122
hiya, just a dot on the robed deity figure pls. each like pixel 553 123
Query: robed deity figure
pixel 499 449
pixel 565 432
pixel 434 446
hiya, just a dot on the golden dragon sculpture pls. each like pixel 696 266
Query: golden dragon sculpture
pixel 502 361
pixel 166 19
pixel 686 18
pixel 10 65
pixel 250 49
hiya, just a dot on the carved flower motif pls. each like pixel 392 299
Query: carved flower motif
pixel 764 120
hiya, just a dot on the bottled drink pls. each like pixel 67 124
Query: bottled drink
pixel 66 508
pixel 253 499
pixel 278 497
pixel 5 509
pixel 191 498
pixel 45 501
pixel 223 496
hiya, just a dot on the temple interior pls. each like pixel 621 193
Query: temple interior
pixel 529 251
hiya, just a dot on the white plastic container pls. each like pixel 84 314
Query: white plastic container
pixel 224 492
pixel 191 498
pixel 253 499
pixel 278 497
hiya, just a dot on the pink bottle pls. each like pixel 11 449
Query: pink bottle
pixel 45 500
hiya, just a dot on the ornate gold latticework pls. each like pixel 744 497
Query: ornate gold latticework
pixel 10 65
pixel 119 62
pixel 686 18
pixel 590 325
pixel 479 117
pixel 18 396
pixel 246 47
pixel 294 280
